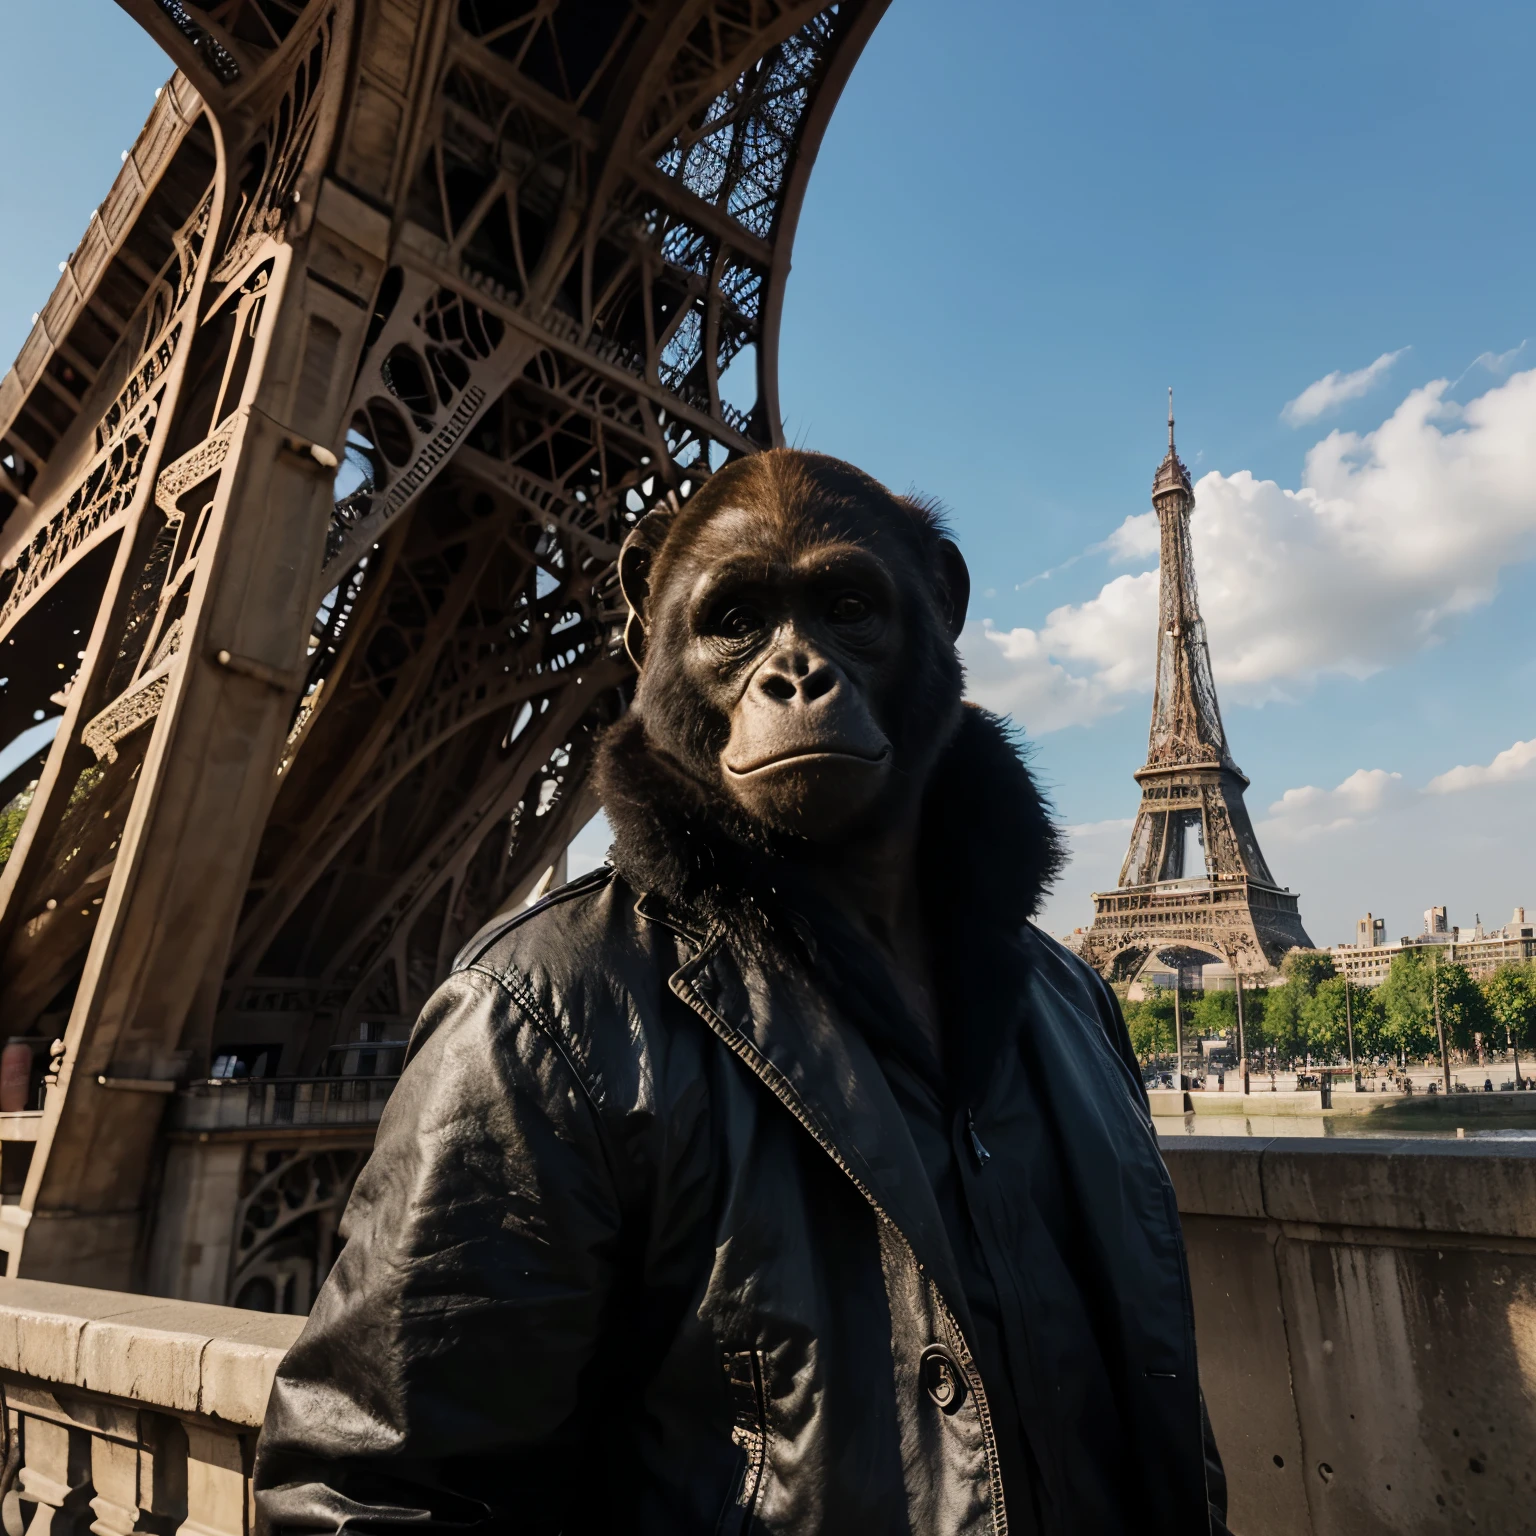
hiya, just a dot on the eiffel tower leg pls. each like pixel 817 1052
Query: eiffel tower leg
pixel 204 710
pixel 323 726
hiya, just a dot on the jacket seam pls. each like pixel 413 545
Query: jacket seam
pixel 583 885
pixel 516 988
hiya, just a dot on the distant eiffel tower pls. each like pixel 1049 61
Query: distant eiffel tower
pixel 1194 885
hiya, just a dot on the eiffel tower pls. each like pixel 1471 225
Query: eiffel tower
pixel 313 473
pixel 1194 885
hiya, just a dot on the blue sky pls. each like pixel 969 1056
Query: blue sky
pixel 1027 221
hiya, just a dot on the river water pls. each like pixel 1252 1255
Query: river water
pixel 1436 1124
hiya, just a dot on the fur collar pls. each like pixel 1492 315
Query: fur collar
pixel 988 855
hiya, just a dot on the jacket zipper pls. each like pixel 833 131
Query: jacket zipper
pixel 768 1074
pixel 983 1157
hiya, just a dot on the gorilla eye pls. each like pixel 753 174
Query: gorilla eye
pixel 849 608
pixel 739 622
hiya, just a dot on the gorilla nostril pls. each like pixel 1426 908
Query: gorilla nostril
pixel 777 687
pixel 820 683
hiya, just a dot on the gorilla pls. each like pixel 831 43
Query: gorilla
pixel 781 1175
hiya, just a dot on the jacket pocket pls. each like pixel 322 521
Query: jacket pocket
pixel 749 1434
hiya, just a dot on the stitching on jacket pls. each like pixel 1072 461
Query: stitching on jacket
pixel 517 987
pixel 620 1170
pixel 469 957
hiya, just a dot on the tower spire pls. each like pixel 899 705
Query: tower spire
pixel 1194 882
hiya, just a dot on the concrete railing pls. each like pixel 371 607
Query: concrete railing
pixel 130 1413
pixel 235 1103
pixel 1366 1316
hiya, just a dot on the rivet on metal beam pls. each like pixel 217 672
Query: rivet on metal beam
pixel 285 680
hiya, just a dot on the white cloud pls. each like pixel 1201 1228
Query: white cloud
pixel 1372 842
pixel 1499 362
pixel 1516 762
pixel 1310 811
pixel 1083 831
pixel 1011 672
pixel 1137 538
pixel 1392 535
pixel 1333 389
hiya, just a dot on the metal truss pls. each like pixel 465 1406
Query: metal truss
pixel 313 473
pixel 1194 879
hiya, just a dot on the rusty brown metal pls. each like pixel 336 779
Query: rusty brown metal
pixel 1194 883
pixel 312 477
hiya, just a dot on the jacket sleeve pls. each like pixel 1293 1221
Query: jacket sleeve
pixel 443 1378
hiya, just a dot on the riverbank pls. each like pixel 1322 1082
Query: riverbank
pixel 1349 1113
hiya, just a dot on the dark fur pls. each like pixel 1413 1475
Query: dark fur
pixel 987 849
pixel 988 854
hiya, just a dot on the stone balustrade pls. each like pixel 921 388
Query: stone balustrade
pixel 1366 1316
pixel 238 1103
pixel 130 1413
pixel 1366 1311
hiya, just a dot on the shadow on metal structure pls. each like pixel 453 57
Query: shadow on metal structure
pixel 312 474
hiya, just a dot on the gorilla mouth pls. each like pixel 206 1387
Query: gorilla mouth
pixel 806 756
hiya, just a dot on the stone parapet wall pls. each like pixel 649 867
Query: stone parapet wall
pixel 1366 1312
pixel 130 1413
pixel 1366 1315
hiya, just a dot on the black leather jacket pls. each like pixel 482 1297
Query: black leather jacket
pixel 642 1248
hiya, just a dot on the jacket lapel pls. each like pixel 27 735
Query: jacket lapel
pixel 820 1067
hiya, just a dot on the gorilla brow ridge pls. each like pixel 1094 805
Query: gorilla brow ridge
pixel 791 487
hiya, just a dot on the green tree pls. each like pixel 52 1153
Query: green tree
pixel 1407 1001
pixel 1323 1024
pixel 1213 1015
pixel 1463 1008
pixel 1255 1020
pixel 1510 994
pixel 1150 1023
pixel 1284 1031
pixel 12 814
pixel 1370 1020
pixel 1307 970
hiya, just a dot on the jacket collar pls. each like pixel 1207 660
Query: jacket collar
pixel 769 967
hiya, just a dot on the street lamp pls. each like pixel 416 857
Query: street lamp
pixel 1349 1029
pixel 1178 1026
pixel 1445 1060
pixel 1242 1038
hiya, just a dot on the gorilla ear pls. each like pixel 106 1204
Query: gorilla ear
pixel 639 550
pixel 954 586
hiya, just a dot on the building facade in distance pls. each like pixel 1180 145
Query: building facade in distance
pixel 1481 952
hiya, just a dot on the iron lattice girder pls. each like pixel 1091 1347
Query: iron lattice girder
pixel 497 260
pixel 1192 805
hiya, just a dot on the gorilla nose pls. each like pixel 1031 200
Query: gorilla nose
pixel 802 709
pixel 797 681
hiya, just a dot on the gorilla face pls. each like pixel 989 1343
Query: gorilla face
pixel 798 643
pixel 799 650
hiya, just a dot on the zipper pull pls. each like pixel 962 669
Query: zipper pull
pixel 983 1157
